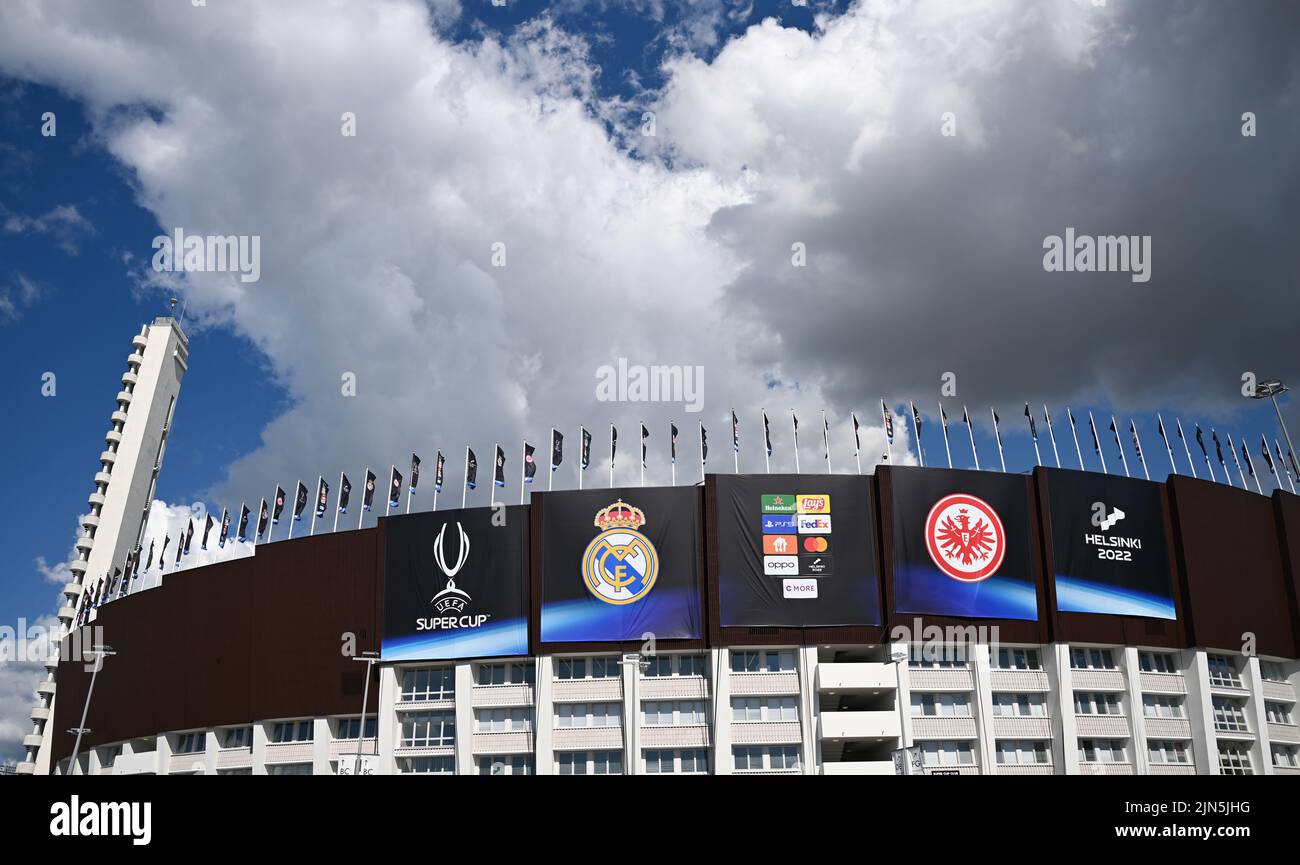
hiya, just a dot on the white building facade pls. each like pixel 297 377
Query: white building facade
pixel 781 710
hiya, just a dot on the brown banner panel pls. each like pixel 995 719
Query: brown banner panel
pixel 1287 508
pixel 1076 627
pixel 1229 550
pixel 1008 630
pixel 246 640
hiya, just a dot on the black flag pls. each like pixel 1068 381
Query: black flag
pixel 1249 465
pixel 299 501
pixel 180 546
pixel 916 419
pixel 279 506
pixel 1096 443
pixel 613 444
pixel 1218 448
pixel 499 473
pixel 1268 458
pixel 645 434
pixel 857 440
pixel 415 474
pixel 261 520
pixel 162 554
pixel 586 449
pixel 767 434
pixel 1033 428
pixel 672 441
pixel 368 494
pixel 207 527
pixel 225 531
pixel 394 488
pixel 530 466
pixel 471 469
pixel 704 444
pixel 241 533
pixel 135 562
pixel 735 431
pixel 1200 440
pixel 149 561
pixel 439 466
pixel 189 536
pixel 345 493
pixel 889 421
pixel 557 449
pixel 322 498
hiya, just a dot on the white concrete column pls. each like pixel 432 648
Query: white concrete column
pixel 259 748
pixel 465 719
pixel 543 718
pixel 1261 753
pixel 162 755
pixel 1200 713
pixel 1058 662
pixel 320 746
pixel 211 745
pixel 808 712
pixel 386 727
pixel 1136 714
pixel 631 717
pixel 903 693
pixel 720 677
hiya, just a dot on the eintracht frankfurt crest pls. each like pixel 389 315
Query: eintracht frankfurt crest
pixel 451 599
pixel 620 564
pixel 965 538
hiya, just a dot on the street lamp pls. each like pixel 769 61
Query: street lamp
pixel 369 658
pixel 100 652
pixel 897 657
pixel 1272 389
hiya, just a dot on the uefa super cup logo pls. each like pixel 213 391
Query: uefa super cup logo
pixel 620 565
pixel 451 599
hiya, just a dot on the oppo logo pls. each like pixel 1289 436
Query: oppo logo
pixel 778 565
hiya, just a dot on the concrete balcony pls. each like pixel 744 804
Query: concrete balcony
pixel 1106 769
pixel 46 689
pixel 1106 726
pixel 502 695
pixel 583 690
pixel 856 677
pixel 135 359
pixel 85 542
pixel 857 725
pixel 865 767
pixel 765 732
pixel 503 742
pixel 1016 727
pixel 673 688
pixel 26 769
pixel 124 397
pixel 754 684
pixel 73 590
pixel 1280 691
pixel 102 478
pixel 1023 769
pixel 1097 680
pixel 586 738
pixel 33 740
pixel 78 567
pixel 1171 769
pixel 67 614
pixel 1168 728
pixel 113 437
pixel 95 500
pixel 139 341
pixel 40 713
pixel 1162 683
pixel 1284 734
pixel 674 736
pixel 944 728
pixel 52 661
pixel 1020 681
pixel 108 458
pixel 90 521
pixel 130 378
pixel 932 679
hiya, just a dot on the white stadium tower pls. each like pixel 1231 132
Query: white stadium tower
pixel 124 488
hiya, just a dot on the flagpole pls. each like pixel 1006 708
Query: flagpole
pixel 1232 448
pixel 642 453
pixel 1286 468
pixel 1074 431
pixel 464 488
pixel 578 461
pixel 672 450
pixel 970 428
pixel 1033 434
pixel 701 423
pixel 920 455
pixel 293 509
pixel 795 423
pixel 1051 433
pixel 1137 440
pixel 1114 427
pixel 889 445
pixel 436 458
pixel 826 442
pixel 336 507
pixel 550 478
pixel 767 454
pixel 410 493
pixel 1178 422
pixel 997 437
pixel 735 443
pixel 1164 434
pixel 361 511
pixel 523 456
pixel 492 488
pixel 857 447
pixel 1206 453
pixel 1218 450
pixel 315 511
pixel 1096 442
pixel 943 421
pixel 611 456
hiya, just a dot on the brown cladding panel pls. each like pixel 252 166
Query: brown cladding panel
pixel 246 640
pixel 1229 551
pixel 1287 508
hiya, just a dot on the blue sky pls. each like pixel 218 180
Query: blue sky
pixel 520 124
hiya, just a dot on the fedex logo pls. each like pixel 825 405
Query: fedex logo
pixel 814 524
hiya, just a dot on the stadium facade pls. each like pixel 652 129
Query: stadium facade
pixel 1060 622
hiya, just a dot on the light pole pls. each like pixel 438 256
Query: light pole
pixel 897 658
pixel 100 652
pixel 369 659
pixel 1272 389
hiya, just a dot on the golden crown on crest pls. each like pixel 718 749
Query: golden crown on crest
pixel 619 515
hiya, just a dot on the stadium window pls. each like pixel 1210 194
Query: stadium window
pixel 1161 706
pixel 506 764
pixel 1286 756
pixel 947 754
pixel 691 665
pixel 289 769
pixel 1229 715
pixel 659 762
pixel 1156 662
pixel 191 743
pixel 1272 671
pixel 428 683
pixel 1223 672
pixel 1172 753
pixel 1101 750
pixel 427 765
pixel 607 762
pixel 428 729
pixel 514 673
pixel 1011 752
pixel 571 668
pixel 1015 658
pixel 237 737
pixel 1234 759
pixel 1019 705
pixel 1092 659
pixel 695 761
pixel 657 666
pixel 284 732
pixel 936 656
pixel 606 668
pixel 747 757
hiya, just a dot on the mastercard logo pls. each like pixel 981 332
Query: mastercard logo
pixel 815 545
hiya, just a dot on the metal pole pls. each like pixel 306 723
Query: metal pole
pixel 100 652
pixel 1285 433
pixel 365 699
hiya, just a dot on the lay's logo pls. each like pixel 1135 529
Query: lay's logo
pixel 818 504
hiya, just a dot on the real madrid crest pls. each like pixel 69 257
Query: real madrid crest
pixel 620 564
